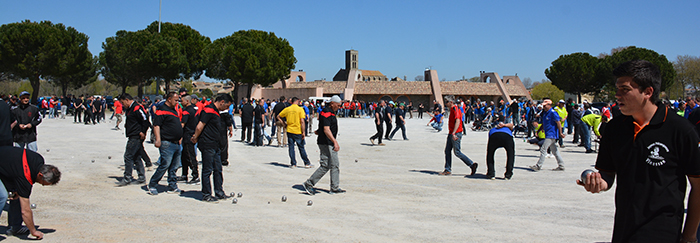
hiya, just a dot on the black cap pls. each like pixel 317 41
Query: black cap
pixel 182 89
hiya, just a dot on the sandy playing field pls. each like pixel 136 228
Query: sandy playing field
pixel 393 194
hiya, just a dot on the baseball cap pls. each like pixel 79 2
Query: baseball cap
pixel 182 89
pixel 194 96
pixel 335 99
pixel 24 93
pixel 561 101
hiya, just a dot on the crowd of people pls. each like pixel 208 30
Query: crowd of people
pixel 644 142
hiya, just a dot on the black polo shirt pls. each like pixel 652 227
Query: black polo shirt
pixel 247 113
pixel 651 167
pixel 327 119
pixel 210 136
pixel 188 117
pixel 170 127
pixel 399 112
pixel 258 114
pixel 12 169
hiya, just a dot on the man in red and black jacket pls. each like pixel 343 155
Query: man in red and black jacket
pixel 168 133
pixel 135 129
pixel 208 134
pixel 189 123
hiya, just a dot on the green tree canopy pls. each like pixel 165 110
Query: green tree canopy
pixel 688 75
pixel 574 73
pixel 252 57
pixel 77 67
pixel 30 50
pixel 547 89
pixel 123 62
pixel 177 52
pixel 607 64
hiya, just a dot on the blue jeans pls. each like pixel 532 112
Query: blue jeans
pixel 211 162
pixel 403 131
pixel 3 196
pixel 437 126
pixel 455 145
pixel 586 135
pixel 300 141
pixel 30 145
pixel 169 160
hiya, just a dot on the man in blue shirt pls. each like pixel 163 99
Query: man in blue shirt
pixel 551 123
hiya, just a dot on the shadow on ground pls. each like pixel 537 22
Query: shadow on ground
pixel 280 165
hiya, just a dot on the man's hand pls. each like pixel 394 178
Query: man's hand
pixel 157 143
pixel 454 137
pixel 230 133
pixel 28 126
pixel 38 234
pixel 193 140
pixel 336 147
pixel 142 136
pixel 562 135
pixel 594 183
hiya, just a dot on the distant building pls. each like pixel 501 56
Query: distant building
pixel 352 83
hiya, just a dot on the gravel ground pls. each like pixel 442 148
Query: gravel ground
pixel 393 194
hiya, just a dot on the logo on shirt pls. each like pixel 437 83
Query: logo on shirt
pixel 654 159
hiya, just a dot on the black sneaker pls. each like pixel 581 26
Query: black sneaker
pixel 309 189
pixel 194 181
pixel 123 182
pixel 21 231
pixel 224 163
pixel 473 167
pixel 181 178
pixel 222 196
pixel 140 180
pixel 338 191
pixel 209 198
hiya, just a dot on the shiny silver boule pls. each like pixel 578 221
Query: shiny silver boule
pixel 240 194
pixel 234 201
pixel 284 198
pixel 33 206
pixel 309 203
pixel 233 194
pixel 584 174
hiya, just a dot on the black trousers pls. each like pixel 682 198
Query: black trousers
pixel 500 140
pixel 258 139
pixel 388 129
pixel 78 114
pixel 246 128
pixel 380 132
pixel 189 158
pixel 89 117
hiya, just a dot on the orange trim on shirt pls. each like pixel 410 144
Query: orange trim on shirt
pixel 25 165
pixel 638 128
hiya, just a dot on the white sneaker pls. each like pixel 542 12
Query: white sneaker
pixel 550 155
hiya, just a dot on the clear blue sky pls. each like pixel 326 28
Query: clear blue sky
pixel 402 38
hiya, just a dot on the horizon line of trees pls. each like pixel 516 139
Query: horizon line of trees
pixel 59 55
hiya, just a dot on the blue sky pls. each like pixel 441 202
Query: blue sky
pixel 402 38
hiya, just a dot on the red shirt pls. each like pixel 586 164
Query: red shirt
pixel 118 107
pixel 455 114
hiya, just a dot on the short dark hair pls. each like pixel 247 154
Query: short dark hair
pixel 294 99
pixel 51 174
pixel 644 73
pixel 170 95
pixel 124 96
pixel 225 97
pixel 282 98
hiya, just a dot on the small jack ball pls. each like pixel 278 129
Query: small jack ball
pixel 284 198
pixel 109 157
pixel 93 161
pixel 355 161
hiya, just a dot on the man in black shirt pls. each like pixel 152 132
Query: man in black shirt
pixel 400 122
pixel 79 107
pixel 388 111
pixel 189 123
pixel 328 145
pixel 227 123
pixel 208 133
pixel 168 133
pixel 135 129
pixel 515 112
pixel 7 121
pixel 19 170
pixel 258 115
pixel 652 154
pixel 378 119
pixel 28 117
pixel 246 120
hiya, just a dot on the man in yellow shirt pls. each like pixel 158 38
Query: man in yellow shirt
pixel 561 110
pixel 295 116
